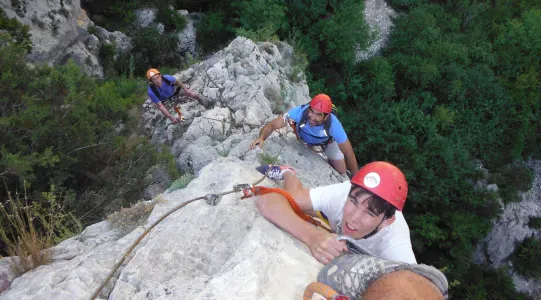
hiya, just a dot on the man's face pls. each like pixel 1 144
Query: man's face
pixel 156 80
pixel 358 220
pixel 315 117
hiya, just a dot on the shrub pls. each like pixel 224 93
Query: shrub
pixel 486 283
pixel 256 15
pixel 157 49
pixel 213 31
pixel 92 30
pixel 127 219
pixel 267 33
pixel 107 57
pixel 16 31
pixel 180 182
pixel 266 159
pixel 526 258
pixel 534 222
pixel 511 179
pixel 171 20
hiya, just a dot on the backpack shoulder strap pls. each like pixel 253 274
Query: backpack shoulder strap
pixel 327 126
pixel 304 117
pixel 167 80
pixel 153 88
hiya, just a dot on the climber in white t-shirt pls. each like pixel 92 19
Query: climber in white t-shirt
pixel 366 209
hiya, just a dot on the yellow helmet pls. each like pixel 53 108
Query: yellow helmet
pixel 152 72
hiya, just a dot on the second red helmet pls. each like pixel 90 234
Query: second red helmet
pixel 322 103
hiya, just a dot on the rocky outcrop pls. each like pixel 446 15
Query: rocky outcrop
pixel 59 31
pixel 379 17
pixel 186 37
pixel 146 17
pixel 511 229
pixel 246 83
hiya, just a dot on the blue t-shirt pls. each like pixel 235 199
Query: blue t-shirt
pixel 165 91
pixel 316 135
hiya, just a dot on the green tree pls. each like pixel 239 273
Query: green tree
pixel 526 257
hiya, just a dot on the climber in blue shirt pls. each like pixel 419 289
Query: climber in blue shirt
pixel 316 125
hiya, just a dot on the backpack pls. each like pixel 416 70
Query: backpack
pixel 326 124
pixel 153 88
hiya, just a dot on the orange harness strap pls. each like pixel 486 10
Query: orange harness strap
pixel 261 190
pixel 293 126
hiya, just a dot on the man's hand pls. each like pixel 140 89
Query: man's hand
pixel 175 120
pixel 191 93
pixel 257 142
pixel 325 247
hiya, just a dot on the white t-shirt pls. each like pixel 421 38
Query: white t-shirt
pixel 391 243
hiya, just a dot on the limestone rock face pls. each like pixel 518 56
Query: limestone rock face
pixel 59 31
pixel 511 229
pixel 227 251
pixel 246 84
pixel 144 17
pixel 53 25
pixel 187 37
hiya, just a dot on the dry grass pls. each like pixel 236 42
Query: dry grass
pixel 28 229
pixel 127 219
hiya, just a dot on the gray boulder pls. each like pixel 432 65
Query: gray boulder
pixel 157 181
pixel 214 123
pixel 145 17
pixel 197 155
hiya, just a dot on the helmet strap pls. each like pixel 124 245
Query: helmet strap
pixel 376 229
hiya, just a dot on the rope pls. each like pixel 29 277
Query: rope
pixel 211 198
pixel 261 190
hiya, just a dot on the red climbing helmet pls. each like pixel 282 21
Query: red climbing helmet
pixel 322 102
pixel 384 180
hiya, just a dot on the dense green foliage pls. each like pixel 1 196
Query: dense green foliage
pixel 484 283
pixel 526 258
pixel 326 31
pixel 511 179
pixel 450 88
pixel 58 130
pixel 534 222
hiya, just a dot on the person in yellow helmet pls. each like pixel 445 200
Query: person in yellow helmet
pixel 164 87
